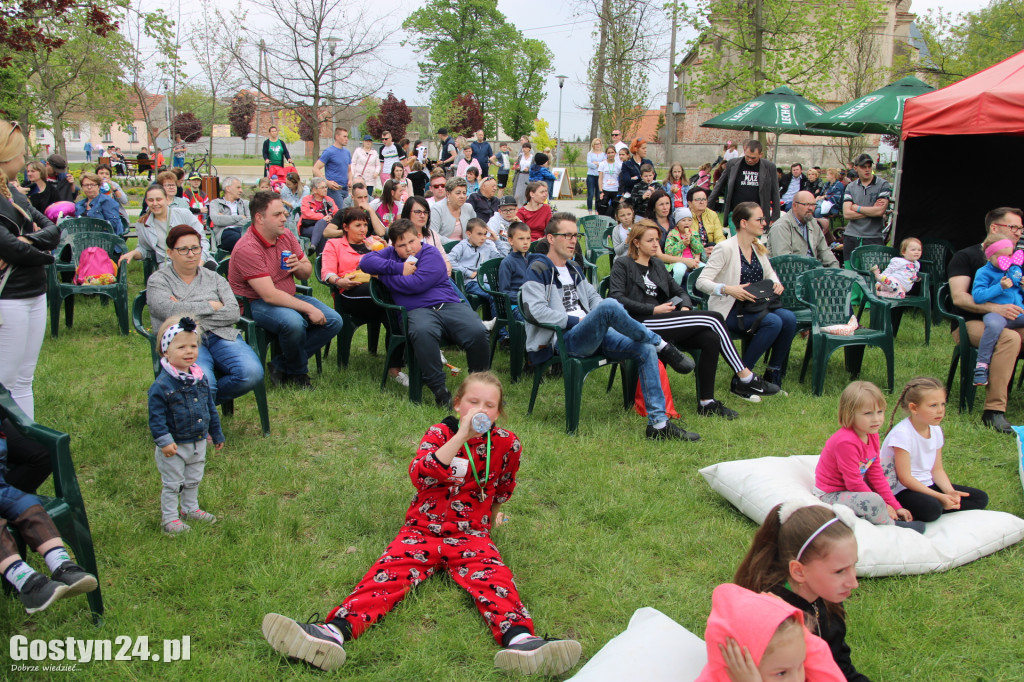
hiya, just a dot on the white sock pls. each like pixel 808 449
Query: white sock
pixel 18 574
pixel 747 379
pixel 661 346
pixel 705 403
pixel 660 425
pixel 521 637
pixel 55 557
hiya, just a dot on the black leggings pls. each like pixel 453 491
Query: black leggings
pixel 927 508
pixel 701 330
pixel 358 303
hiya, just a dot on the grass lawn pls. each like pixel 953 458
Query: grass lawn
pixel 602 522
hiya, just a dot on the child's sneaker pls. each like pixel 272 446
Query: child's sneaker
pixel 536 655
pixel 38 592
pixel 317 645
pixel 200 515
pixel 402 379
pixel 981 376
pixel 176 527
pixel 75 577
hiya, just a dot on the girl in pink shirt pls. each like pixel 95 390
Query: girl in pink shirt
pixel 849 471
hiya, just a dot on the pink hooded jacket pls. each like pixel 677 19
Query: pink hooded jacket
pixel 752 619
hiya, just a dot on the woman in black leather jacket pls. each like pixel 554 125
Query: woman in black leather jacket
pixel 644 287
pixel 26 238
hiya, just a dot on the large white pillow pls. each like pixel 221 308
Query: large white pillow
pixel 754 486
pixel 654 648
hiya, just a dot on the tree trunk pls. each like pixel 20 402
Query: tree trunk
pixel 58 127
pixel 213 117
pixel 602 49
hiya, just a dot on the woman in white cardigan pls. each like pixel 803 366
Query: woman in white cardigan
pixel 735 263
pixel 449 217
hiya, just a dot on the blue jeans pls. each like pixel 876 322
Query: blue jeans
pixel 609 328
pixel 178 163
pixel 994 326
pixel 473 287
pixel 240 369
pixel 338 195
pixel 13 502
pixel 776 332
pixel 592 191
pixel 299 339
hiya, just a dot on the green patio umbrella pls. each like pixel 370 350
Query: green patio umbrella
pixel 880 111
pixel 780 111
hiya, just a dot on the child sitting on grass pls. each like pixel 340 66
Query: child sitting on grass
pixel 181 416
pixel 849 471
pixel 447 527
pixel 512 272
pixel 754 637
pixel 807 556
pixel 994 284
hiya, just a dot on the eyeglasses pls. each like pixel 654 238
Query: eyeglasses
pixel 760 220
pixel 186 250
pixel 616 134
pixel 568 235
pixel 1015 228
pixel 695 199
pixel 437 186
pixel 804 203
pixel 419 211
pixel 89 184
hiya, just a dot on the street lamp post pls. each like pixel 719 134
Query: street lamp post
pixel 558 145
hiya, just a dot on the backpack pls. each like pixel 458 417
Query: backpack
pixel 95 267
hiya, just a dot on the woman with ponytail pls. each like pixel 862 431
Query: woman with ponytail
pixel 807 555
pixel 26 239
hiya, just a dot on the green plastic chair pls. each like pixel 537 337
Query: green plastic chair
pixel 248 329
pixel 488 278
pixel 399 317
pixel 72 226
pixel 264 340
pixel 935 257
pixel 964 354
pixel 66 508
pixel 596 230
pixel 789 268
pixel 829 293
pixel 349 324
pixel 58 292
pixel 861 261
pixel 448 246
pixel 574 373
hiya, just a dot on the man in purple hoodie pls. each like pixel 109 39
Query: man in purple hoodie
pixel 416 275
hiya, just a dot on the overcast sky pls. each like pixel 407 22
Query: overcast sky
pixel 568 35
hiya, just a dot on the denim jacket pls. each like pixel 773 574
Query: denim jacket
pixel 180 413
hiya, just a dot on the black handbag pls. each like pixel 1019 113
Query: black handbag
pixel 749 314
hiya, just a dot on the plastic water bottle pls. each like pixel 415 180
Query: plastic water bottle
pixel 481 422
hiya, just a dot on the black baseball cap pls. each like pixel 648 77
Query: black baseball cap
pixel 864 160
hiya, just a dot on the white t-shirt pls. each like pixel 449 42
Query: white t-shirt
pixel 570 297
pixel 611 175
pixel 732 154
pixel 620 145
pixel 524 163
pixel 922 451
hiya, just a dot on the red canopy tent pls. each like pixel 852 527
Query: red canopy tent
pixel 957 151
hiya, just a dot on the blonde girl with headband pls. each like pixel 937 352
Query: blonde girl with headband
pixel 807 556
pixel 914 449
pixel 994 283
pixel 181 416
pixel 26 239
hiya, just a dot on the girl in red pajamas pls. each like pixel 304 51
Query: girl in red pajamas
pixel 462 478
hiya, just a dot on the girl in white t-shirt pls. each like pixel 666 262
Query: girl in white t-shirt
pixel 911 456
pixel 607 180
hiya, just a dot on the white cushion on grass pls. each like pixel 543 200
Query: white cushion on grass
pixel 654 648
pixel 754 486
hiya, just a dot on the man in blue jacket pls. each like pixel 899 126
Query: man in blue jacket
pixel 416 275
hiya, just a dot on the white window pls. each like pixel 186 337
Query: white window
pixel 105 133
pixel 76 134
pixel 133 135
pixel 40 134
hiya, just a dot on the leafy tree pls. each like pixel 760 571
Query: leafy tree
pixel 150 55
pixel 393 115
pixel 198 100
pixel 370 107
pixel 960 45
pixel 289 127
pixel 468 46
pixel 529 65
pixel 748 47
pixel 465 116
pixel 188 126
pixel 45 25
pixel 243 109
pixel 540 138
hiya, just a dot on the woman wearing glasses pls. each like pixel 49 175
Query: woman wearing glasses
pixel 184 288
pixel 738 262
pixel 418 211
pixel 24 252
pixel 97 205
pixel 705 221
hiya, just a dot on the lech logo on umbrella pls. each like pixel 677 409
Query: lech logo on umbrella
pixel 786 113
pixel 858 106
pixel 746 109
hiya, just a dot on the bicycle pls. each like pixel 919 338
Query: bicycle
pixel 200 165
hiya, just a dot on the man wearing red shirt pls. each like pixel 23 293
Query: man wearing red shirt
pixel 302 324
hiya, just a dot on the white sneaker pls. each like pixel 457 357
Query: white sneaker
pixel 401 378
pixel 489 324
